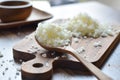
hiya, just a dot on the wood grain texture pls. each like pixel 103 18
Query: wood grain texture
pixel 27 48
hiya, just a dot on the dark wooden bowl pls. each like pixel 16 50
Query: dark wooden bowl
pixel 14 10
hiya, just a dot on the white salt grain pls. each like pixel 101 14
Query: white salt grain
pixel 97 44
pixel 76 40
pixel 46 64
pixel 44 55
pixel 80 49
pixel 1 55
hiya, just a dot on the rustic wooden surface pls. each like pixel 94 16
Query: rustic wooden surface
pixel 10 37
pixel 98 55
pixel 27 48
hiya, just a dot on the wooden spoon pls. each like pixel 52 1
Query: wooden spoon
pixel 68 49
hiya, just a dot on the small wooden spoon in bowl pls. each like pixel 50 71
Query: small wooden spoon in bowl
pixel 68 49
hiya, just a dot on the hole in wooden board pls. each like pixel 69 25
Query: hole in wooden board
pixel 37 65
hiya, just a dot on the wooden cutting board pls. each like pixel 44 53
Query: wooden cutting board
pixel 39 63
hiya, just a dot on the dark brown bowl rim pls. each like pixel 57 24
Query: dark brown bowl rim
pixel 15 7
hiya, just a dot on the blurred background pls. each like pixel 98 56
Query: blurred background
pixel 112 3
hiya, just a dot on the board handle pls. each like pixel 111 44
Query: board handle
pixel 38 68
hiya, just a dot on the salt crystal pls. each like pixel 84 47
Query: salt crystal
pixel 46 64
pixel 1 55
pixel 56 58
pixel 76 40
pixel 9 78
pixel 80 49
pixel 44 55
pixel 97 44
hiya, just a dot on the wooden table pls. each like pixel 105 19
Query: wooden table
pixel 9 70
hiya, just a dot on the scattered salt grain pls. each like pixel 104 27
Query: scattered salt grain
pixel 26 37
pixel 9 78
pixel 29 50
pixel 1 55
pixel 97 44
pixel 80 49
pixel 6 69
pixel 56 58
pixel 3 73
pixel 11 60
pixel 3 61
pixel 109 65
pixel 84 37
pixel 15 77
pixel 53 53
pixel 46 64
pixel 20 60
pixel 18 68
pixel 44 55
pixel 1 65
pixel 17 73
pixel 63 56
pixel 76 40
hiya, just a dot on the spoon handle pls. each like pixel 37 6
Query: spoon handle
pixel 92 68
